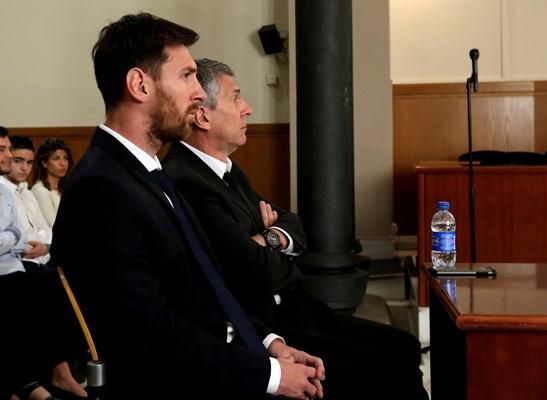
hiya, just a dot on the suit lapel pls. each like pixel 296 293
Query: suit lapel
pixel 138 171
pixel 181 153
pixel 243 198
pixel 134 167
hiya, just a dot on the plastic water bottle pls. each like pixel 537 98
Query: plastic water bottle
pixel 443 238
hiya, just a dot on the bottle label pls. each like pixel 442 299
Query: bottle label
pixel 450 288
pixel 443 241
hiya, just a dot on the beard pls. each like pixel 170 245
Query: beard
pixel 168 123
pixel 5 168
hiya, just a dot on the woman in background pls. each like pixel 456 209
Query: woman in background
pixel 53 162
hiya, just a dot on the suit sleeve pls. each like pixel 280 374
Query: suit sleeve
pixel 244 261
pixel 110 254
pixel 12 235
pixel 290 223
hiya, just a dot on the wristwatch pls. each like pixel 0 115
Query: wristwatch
pixel 272 239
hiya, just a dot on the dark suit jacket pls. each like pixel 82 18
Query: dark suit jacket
pixel 254 273
pixel 157 322
pixel 348 345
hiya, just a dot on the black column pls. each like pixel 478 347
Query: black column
pixel 325 151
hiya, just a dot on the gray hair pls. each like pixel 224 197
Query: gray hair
pixel 208 73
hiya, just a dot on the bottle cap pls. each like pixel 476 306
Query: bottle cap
pixel 443 205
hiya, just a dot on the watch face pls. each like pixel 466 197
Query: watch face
pixel 272 239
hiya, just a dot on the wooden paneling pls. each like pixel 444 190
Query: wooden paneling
pixel 76 137
pixel 430 124
pixel 265 159
pixel 510 212
pixel 265 156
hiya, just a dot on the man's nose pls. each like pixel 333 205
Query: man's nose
pixel 247 110
pixel 200 95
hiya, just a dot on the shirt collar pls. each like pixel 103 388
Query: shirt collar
pixel 150 163
pixel 219 167
pixel 21 187
pixel 12 186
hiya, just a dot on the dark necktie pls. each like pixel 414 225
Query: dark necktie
pixel 230 181
pixel 233 310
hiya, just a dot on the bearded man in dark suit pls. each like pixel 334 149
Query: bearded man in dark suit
pixel 256 242
pixel 146 276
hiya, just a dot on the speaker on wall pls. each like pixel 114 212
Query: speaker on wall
pixel 270 39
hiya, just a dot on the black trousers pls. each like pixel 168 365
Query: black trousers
pixel 38 329
pixel 363 359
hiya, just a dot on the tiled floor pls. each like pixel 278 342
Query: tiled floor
pixel 385 301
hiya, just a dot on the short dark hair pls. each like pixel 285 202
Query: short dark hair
pixel 46 149
pixel 21 143
pixel 3 132
pixel 135 40
pixel 208 73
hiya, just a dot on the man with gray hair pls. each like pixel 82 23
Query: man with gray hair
pixel 151 288
pixel 256 242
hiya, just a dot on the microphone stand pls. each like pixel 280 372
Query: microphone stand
pixel 471 182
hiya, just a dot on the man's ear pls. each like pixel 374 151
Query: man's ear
pixel 138 84
pixel 202 118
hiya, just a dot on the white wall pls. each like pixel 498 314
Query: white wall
pixel 431 39
pixel 46 73
pixel 525 39
pixel 373 122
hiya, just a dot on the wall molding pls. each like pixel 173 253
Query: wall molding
pixel 458 89
pixel 82 131
pixel 53 131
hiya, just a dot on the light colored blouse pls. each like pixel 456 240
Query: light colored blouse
pixel 48 200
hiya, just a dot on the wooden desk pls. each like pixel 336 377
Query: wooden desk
pixel 510 212
pixel 489 336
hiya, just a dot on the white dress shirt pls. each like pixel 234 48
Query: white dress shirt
pixel 152 163
pixel 31 217
pixel 12 235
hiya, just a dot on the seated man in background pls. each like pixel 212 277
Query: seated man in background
pixel 255 242
pixel 32 338
pixel 36 228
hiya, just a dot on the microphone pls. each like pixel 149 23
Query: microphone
pixel 474 54
pixel 473 79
